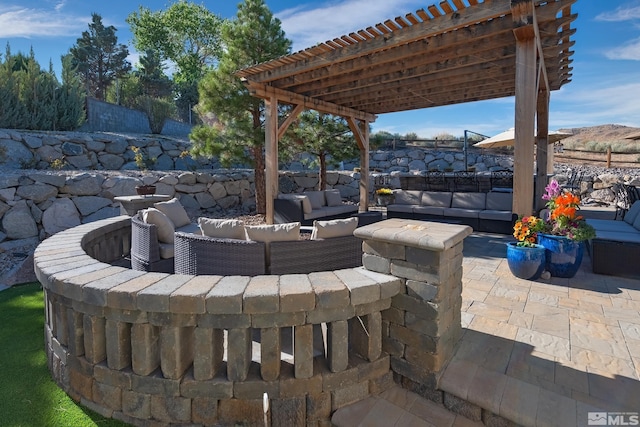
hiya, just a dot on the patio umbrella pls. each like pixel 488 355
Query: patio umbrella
pixel 507 138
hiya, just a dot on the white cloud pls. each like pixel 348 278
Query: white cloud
pixel 622 13
pixel 307 27
pixel 630 50
pixel 599 105
pixel 18 21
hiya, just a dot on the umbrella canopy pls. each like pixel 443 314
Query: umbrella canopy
pixel 507 138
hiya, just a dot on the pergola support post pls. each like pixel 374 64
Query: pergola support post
pixel 542 148
pixel 360 131
pixel 525 106
pixel 271 155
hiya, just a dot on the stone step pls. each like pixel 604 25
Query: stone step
pixel 399 407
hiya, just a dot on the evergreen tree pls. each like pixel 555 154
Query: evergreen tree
pixel 324 136
pixel 11 108
pixel 255 36
pixel 154 81
pixel 99 58
pixel 70 97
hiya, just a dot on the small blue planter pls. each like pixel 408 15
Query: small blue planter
pixel 526 262
pixel 564 255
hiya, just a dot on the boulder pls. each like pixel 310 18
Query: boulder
pixel 104 213
pixel 18 222
pixel 32 142
pixel 89 204
pixel 71 149
pixel 37 192
pixel 53 179
pixel 84 185
pixel 111 161
pixel 16 154
pixel 61 215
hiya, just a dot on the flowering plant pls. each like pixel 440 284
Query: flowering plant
pixel 526 230
pixel 563 219
pixel 384 191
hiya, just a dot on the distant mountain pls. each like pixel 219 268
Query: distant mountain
pixel 602 133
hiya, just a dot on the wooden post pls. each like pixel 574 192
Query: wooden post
pixel 271 155
pixel 542 148
pixel 361 133
pixel 608 157
pixel 525 108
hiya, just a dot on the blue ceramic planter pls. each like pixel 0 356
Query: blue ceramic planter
pixel 526 262
pixel 564 255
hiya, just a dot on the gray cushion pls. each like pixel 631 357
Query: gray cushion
pixel 407 197
pixel 400 208
pixel 316 198
pixel 436 198
pixel 499 201
pixel 469 200
pixel 306 203
pixel 495 215
pixel 611 225
pixel 633 213
pixel 333 197
pixel 462 213
pixel 429 210
pixel 618 236
pixel 167 250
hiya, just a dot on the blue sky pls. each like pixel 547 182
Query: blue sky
pixel 605 87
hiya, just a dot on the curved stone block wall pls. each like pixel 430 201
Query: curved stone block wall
pixel 153 347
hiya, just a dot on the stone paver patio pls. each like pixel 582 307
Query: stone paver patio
pixel 538 353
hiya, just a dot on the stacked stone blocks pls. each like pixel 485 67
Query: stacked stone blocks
pixel 420 329
pixel 150 347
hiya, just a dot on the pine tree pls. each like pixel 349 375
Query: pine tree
pixel 255 36
pixel 70 98
pixel 98 57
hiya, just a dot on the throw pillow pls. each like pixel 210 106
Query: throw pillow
pixel 175 211
pixel 316 198
pixel 633 213
pixel 163 224
pixel 274 232
pixel 222 228
pixel 333 228
pixel 333 197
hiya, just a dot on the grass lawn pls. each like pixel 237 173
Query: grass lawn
pixel 28 395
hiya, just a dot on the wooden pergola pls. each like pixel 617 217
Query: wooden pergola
pixel 459 51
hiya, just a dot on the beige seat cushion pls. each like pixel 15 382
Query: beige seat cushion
pixel 163 224
pixel 222 228
pixel 274 232
pixel 175 211
pixel 167 250
pixel 334 228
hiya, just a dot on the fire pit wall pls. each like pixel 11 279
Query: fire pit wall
pixel 152 347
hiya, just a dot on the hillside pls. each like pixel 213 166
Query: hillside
pixel 600 134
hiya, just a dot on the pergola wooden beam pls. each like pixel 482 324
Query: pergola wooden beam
pixel 458 51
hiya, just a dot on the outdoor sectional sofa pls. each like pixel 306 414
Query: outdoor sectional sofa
pixel 311 205
pixel 226 247
pixel 490 212
pixel 615 250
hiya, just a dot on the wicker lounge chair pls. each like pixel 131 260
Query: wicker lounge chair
pixel 145 249
pixel 306 256
pixel 196 254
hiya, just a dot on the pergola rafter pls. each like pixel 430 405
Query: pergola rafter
pixel 458 51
